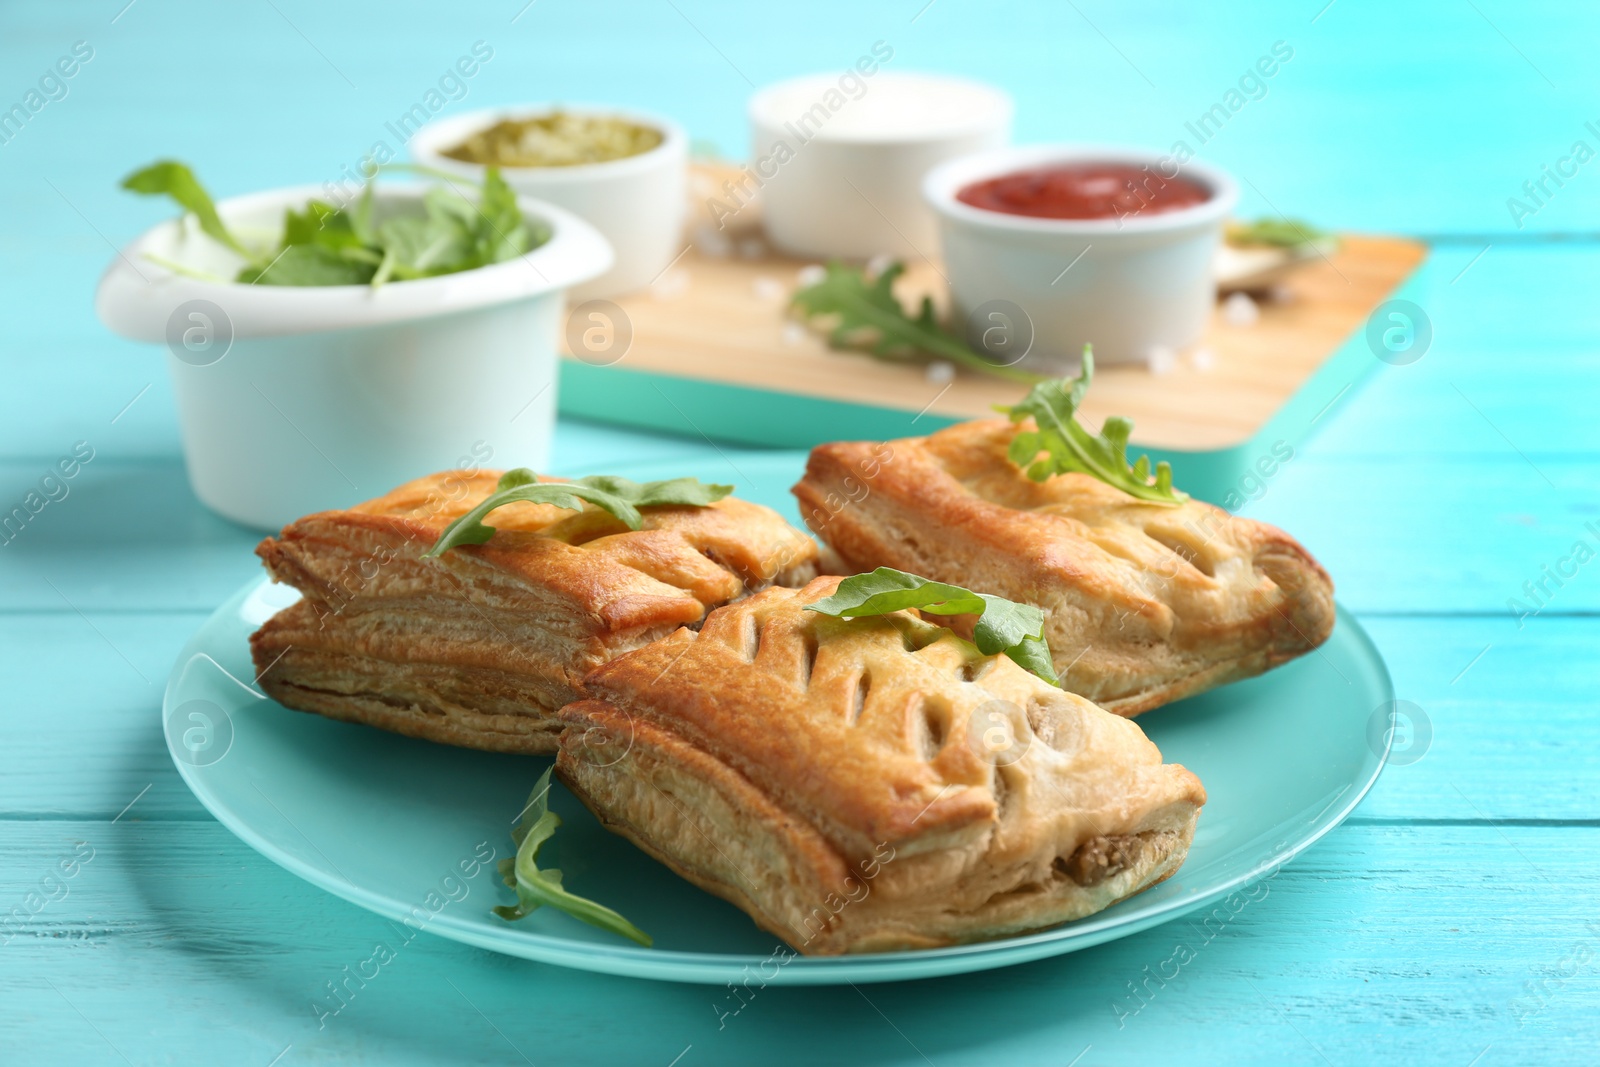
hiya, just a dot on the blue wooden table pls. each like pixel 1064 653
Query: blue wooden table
pixel 1452 920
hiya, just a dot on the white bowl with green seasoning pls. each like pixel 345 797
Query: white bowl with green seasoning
pixel 639 201
pixel 295 399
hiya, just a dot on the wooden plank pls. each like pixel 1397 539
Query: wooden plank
pixel 1502 708
pixel 1512 367
pixel 1443 537
pixel 84 734
pixel 175 943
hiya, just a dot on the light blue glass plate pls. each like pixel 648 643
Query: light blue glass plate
pixel 403 827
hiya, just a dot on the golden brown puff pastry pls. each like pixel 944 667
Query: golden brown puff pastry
pixel 871 784
pixel 479 646
pixel 1144 603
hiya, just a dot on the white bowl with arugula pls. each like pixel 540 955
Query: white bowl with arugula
pixel 320 352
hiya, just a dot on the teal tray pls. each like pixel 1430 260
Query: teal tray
pixel 746 415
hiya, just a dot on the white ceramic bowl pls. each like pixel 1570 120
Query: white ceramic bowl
pixel 1128 286
pixel 847 181
pixel 296 399
pixel 639 203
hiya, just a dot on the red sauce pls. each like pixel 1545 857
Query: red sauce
pixel 1084 191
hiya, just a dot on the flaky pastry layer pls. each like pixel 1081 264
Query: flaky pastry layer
pixel 1144 603
pixel 872 784
pixel 479 646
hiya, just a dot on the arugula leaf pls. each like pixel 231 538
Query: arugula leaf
pixel 443 202
pixel 867 316
pixel 308 264
pixel 1032 654
pixel 1003 626
pixel 887 590
pixel 361 217
pixel 419 246
pixel 1067 446
pixel 619 496
pixel 327 245
pixel 179 268
pixel 1276 233
pixel 537 888
pixel 168 177
pixel 501 232
pixel 321 224
pixel 681 491
pixel 469 529
pixel 493 229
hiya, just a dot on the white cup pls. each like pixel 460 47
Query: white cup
pixel 638 202
pixel 841 173
pixel 1128 286
pixel 299 399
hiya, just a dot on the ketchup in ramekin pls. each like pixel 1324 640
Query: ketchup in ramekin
pixel 1084 191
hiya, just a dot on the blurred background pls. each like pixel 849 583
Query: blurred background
pixel 1418 119
pixel 1433 498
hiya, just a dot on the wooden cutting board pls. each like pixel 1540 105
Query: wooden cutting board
pixel 714 351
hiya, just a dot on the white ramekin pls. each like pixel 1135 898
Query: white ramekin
pixel 298 399
pixel 849 184
pixel 1128 286
pixel 639 203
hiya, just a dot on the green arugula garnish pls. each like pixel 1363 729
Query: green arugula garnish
pixel 1003 626
pixel 1276 233
pixel 537 888
pixel 178 181
pixel 619 496
pixel 866 316
pixel 328 245
pixel 1067 446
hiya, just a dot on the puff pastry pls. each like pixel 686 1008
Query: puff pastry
pixel 1144 603
pixel 871 784
pixel 479 646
